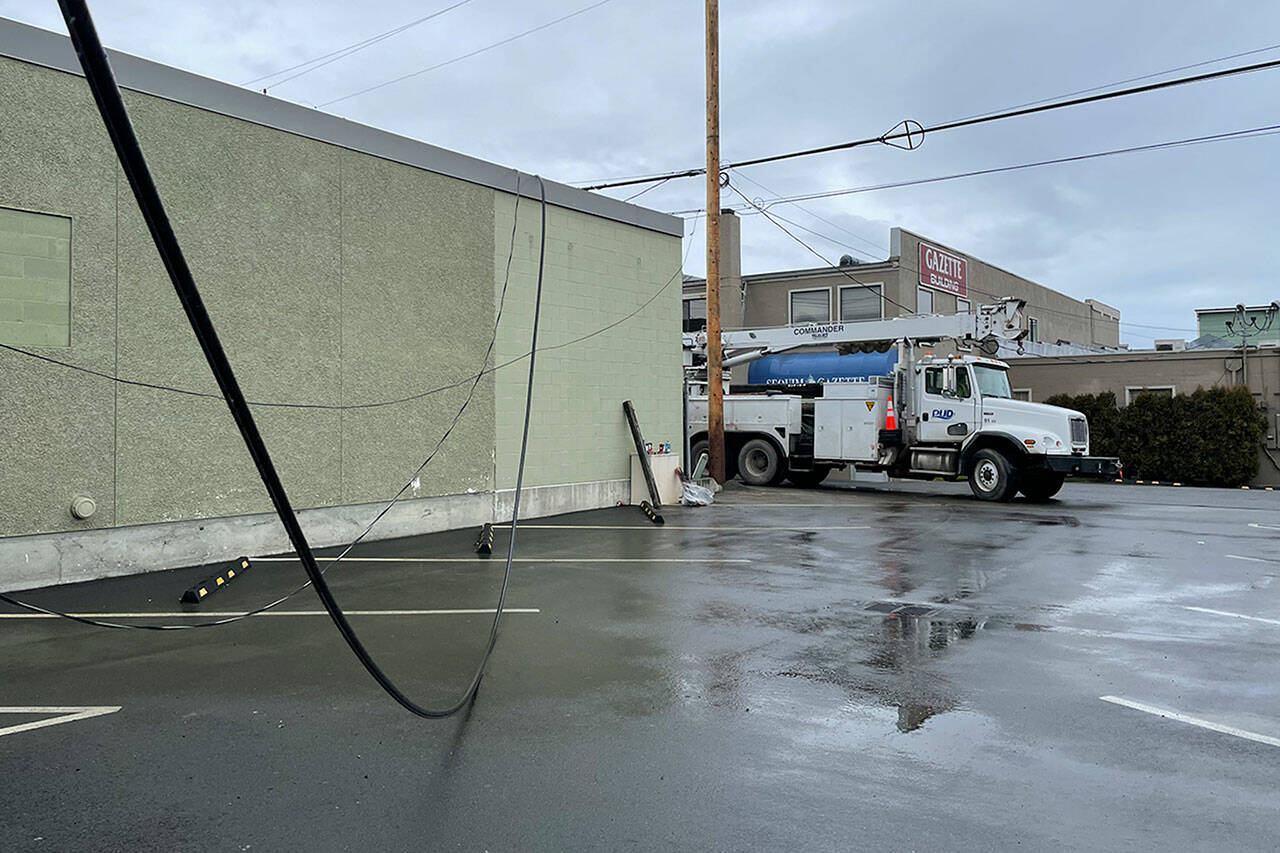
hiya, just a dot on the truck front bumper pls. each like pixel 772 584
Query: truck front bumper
pixel 1084 466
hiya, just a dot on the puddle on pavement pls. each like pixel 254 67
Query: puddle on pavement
pixel 896 668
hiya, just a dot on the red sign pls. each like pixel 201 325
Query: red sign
pixel 943 271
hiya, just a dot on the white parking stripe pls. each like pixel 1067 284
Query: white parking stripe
pixel 1232 615
pixel 498 558
pixel 219 614
pixel 1250 559
pixel 677 527
pixel 1192 721
pixel 1263 526
pixel 66 715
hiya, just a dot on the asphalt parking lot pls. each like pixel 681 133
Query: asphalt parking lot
pixel 787 669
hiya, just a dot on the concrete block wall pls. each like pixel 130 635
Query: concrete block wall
pixel 35 279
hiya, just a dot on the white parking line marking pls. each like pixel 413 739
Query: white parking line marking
pixel 1193 721
pixel 1263 526
pixel 1250 559
pixel 676 527
pixel 66 715
pixel 497 558
pixel 1233 615
pixel 218 614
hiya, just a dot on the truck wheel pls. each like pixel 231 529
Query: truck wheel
pixel 992 478
pixel 1042 486
pixel 809 479
pixel 699 449
pixel 703 448
pixel 759 463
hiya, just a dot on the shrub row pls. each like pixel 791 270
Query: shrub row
pixel 1210 437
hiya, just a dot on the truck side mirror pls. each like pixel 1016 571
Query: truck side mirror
pixel 949 382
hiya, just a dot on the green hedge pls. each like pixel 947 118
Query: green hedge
pixel 1210 437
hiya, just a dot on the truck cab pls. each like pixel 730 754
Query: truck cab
pixel 967 423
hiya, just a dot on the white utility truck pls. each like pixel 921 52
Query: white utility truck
pixel 931 416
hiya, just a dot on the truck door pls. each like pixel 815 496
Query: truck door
pixel 947 404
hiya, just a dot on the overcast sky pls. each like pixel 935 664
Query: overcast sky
pixel 618 91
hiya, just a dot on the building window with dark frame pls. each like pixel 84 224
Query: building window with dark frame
pixel 695 315
pixel 963 306
pixel 924 301
pixel 810 306
pixel 860 302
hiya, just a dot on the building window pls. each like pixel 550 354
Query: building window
pixel 35 279
pixel 1033 329
pixel 860 302
pixel 695 315
pixel 1022 394
pixel 1132 392
pixel 924 301
pixel 810 306
pixel 962 306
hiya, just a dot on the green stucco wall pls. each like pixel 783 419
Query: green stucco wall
pixel 334 277
pixel 1215 323
pixel 596 273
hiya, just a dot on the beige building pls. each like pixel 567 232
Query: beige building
pixel 921 276
pixel 1127 374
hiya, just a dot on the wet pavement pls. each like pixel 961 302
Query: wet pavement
pixel 807 669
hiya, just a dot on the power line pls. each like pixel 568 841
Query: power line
pixel 1174 70
pixel 476 52
pixel 1265 130
pixel 879 290
pixel 910 133
pixel 1046 100
pixel 772 217
pixel 344 52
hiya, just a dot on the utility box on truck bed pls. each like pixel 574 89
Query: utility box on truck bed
pixel 847 420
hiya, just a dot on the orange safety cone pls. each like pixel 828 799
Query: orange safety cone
pixel 890 419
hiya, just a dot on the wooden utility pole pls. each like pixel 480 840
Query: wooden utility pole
pixel 715 387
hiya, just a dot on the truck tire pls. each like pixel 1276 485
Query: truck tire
pixel 992 477
pixel 809 479
pixel 700 448
pixel 1042 485
pixel 760 463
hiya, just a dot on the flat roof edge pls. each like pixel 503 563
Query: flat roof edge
pixel 36 46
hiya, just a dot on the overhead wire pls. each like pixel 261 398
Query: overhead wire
pixel 910 133
pixel 476 52
pixel 344 52
pixel 1247 133
pixel 842 270
pixel 774 219
pixel 1099 88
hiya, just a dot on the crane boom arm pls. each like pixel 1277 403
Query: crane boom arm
pixel 1001 321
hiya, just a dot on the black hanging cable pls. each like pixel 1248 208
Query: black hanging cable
pixel 106 93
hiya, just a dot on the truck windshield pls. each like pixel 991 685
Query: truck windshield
pixel 992 381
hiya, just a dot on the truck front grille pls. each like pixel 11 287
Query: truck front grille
pixel 1079 431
